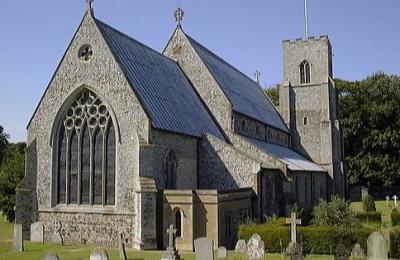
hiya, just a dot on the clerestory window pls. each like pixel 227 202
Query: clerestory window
pixel 304 72
pixel 86 153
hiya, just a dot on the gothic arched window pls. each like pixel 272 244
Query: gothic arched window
pixel 304 72
pixel 86 153
pixel 170 170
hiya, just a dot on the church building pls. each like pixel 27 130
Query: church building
pixel 127 140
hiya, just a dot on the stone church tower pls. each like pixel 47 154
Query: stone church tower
pixel 309 105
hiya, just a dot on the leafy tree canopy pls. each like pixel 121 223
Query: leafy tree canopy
pixel 273 94
pixel 3 142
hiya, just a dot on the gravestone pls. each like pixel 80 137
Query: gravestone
pixel 294 249
pixel 376 247
pixel 98 254
pixel 222 253
pixel 50 256
pixel 37 232
pixel 255 247
pixel 171 253
pixel 340 252
pixel 56 237
pixel 204 248
pixel 18 241
pixel 121 246
pixel 241 246
pixel 357 252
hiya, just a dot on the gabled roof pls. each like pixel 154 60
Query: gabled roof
pixel 293 160
pixel 162 88
pixel 245 95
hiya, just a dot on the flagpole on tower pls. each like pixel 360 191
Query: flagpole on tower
pixel 306 19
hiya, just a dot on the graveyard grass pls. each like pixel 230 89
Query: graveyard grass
pixel 37 250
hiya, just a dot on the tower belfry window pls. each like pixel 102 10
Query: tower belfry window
pixel 304 72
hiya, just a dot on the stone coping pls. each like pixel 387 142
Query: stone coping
pixel 107 210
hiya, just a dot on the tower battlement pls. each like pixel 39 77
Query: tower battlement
pixel 309 39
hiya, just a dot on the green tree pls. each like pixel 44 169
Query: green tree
pixel 273 94
pixel 3 142
pixel 370 116
pixel 11 173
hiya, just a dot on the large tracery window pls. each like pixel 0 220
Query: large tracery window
pixel 304 72
pixel 86 153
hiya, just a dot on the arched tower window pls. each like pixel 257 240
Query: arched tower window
pixel 86 153
pixel 170 170
pixel 304 72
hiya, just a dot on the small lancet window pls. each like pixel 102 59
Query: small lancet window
pixel 304 72
pixel 305 121
pixel 170 170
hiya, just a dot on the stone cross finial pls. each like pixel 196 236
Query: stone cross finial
pixel 171 233
pixel 89 4
pixel 179 16
pixel 293 222
pixel 257 76
pixel 395 200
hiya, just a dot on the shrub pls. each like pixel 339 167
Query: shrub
pixel 394 237
pixel 395 217
pixel 369 217
pixel 337 212
pixel 368 204
pixel 275 221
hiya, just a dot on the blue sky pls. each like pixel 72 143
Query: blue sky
pixel 365 36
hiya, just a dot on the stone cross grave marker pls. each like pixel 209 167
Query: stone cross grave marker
pixel 222 253
pixel 121 245
pixel 377 247
pixel 204 248
pixel 293 221
pixel 395 200
pixel 50 256
pixel 18 241
pixel 255 247
pixel 37 232
pixel 241 246
pixel 387 200
pixel 56 237
pixel 170 253
pixel 98 254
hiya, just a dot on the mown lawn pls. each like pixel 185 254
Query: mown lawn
pixel 37 251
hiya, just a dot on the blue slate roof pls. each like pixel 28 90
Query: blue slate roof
pixel 162 88
pixel 293 160
pixel 245 95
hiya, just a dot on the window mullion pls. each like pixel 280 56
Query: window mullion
pixel 67 168
pixel 79 181
pixel 103 169
pixel 91 169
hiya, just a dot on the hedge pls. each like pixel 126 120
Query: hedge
pixel 395 217
pixel 369 217
pixel 394 237
pixel 315 240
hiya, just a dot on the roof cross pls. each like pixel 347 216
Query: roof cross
pixel 179 16
pixel 89 4
pixel 257 76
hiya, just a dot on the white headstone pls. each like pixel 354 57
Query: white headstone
pixel 358 251
pixel 222 253
pixel 18 241
pixel 98 254
pixel 395 200
pixel 255 247
pixel 50 256
pixel 204 248
pixel 377 247
pixel 241 246
pixel 37 232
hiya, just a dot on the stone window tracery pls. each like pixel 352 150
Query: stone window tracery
pixel 86 153
pixel 304 72
pixel 170 170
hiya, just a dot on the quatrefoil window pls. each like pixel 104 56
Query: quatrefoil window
pixel 85 52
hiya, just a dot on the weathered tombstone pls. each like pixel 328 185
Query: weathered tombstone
pixel 376 247
pixel 222 253
pixel 340 253
pixel 171 253
pixel 50 256
pixel 395 200
pixel 241 246
pixel 294 250
pixel 255 247
pixel 56 237
pixel 37 232
pixel 18 241
pixel 357 252
pixel 204 248
pixel 121 245
pixel 387 200
pixel 98 254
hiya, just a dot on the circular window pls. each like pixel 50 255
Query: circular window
pixel 85 52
